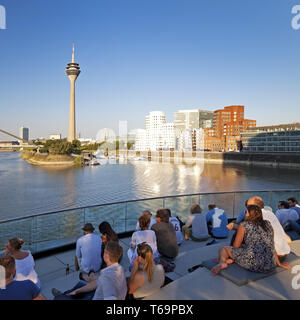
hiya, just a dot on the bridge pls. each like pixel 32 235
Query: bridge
pixel 12 135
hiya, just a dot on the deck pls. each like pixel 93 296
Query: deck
pixel 198 285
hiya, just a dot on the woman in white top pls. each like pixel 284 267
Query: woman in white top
pixel 24 261
pixel 146 278
pixel 143 235
pixel 197 220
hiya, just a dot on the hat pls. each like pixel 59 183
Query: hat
pixel 88 227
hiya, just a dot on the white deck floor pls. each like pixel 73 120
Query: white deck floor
pixel 197 285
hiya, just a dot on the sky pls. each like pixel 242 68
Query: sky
pixel 138 56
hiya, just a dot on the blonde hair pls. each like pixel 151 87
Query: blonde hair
pixel 145 251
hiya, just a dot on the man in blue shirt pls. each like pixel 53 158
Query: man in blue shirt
pixel 17 290
pixel 294 225
pixel 217 222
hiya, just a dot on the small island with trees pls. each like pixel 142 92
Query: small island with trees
pixel 59 153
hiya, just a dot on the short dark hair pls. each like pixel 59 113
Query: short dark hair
pixel 211 206
pixel 169 212
pixel 195 208
pixel 9 265
pixel 284 204
pixel 114 250
pixel 294 200
pixel 163 215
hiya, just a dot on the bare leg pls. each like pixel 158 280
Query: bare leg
pixel 224 256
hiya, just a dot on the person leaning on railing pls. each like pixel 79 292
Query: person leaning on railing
pixel 17 290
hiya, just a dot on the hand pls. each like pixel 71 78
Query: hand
pixel 73 293
pixel 230 226
pixel 285 265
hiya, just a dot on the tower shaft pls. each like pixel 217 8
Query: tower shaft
pixel 72 123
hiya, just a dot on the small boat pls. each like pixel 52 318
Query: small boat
pixel 93 162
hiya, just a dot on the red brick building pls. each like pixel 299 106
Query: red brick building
pixel 228 125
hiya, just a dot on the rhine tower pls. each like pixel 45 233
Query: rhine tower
pixel 72 71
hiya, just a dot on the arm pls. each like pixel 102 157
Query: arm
pixel 40 297
pixel 136 282
pixel 91 286
pixel 189 221
pixel 76 264
pixel 284 265
pixel 239 237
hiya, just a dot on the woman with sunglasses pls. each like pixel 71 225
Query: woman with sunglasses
pixel 253 248
pixel 146 277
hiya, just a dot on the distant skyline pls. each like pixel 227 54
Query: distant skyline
pixel 140 56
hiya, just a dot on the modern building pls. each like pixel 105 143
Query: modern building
pixel 55 136
pixel 158 135
pixel 24 134
pixel 140 140
pixel 192 119
pixel 228 125
pixel 278 138
pixel 190 140
pixel 72 71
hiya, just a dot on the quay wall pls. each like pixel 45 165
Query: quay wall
pixel 283 160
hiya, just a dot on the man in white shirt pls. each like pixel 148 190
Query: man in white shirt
pixel 176 224
pixel 285 213
pixel 109 285
pixel 281 239
pixel 88 251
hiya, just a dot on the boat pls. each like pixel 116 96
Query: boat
pixel 93 162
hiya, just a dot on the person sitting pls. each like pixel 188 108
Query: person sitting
pixel 144 235
pixel 281 239
pixel 146 278
pixel 23 260
pixel 292 224
pixel 176 224
pixel 165 234
pixel 285 213
pixel 293 203
pixel 107 235
pixel 16 290
pixel 88 249
pixel 217 222
pixel 109 285
pixel 257 254
pixel 152 220
pixel 196 226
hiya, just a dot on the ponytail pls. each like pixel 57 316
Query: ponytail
pixel 149 265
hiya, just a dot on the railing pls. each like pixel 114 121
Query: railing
pixel 55 229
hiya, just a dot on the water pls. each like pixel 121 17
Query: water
pixel 26 189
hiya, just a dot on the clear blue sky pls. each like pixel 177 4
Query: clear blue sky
pixel 143 55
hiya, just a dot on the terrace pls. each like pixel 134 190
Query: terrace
pixel 58 231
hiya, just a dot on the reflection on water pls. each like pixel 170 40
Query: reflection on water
pixel 26 189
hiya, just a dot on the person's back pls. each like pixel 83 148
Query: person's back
pixel 20 290
pixel 25 270
pixel 284 215
pixel 88 248
pixel 149 288
pixel 199 226
pixel 166 239
pixel 257 253
pixel 141 236
pixel 176 224
pixel 218 219
pixel 280 239
pixel 111 284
